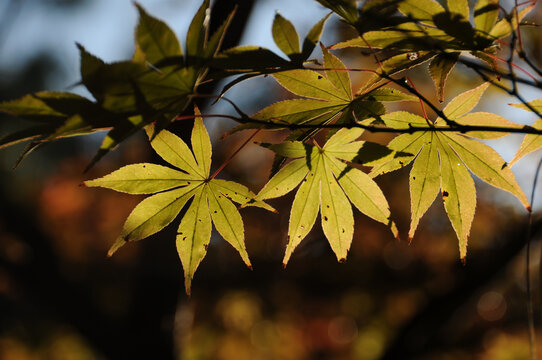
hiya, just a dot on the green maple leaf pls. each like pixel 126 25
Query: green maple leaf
pixel 172 189
pixel 328 186
pixel 324 96
pixel 530 142
pixel 429 31
pixel 442 161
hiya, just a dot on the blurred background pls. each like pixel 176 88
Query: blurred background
pixel 61 298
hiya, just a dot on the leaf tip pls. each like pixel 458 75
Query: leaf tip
pixel 250 267
pixel 393 229
pixel 83 184
pixel 284 264
pixel 463 260
pixel 528 208
pixel 120 242
pixel 342 260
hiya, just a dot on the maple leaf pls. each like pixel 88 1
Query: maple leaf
pixel 530 142
pixel 442 161
pixel 429 31
pixel 324 97
pixel 328 186
pixel 172 189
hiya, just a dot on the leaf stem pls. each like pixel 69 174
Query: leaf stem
pixel 514 65
pixel 230 158
pixel 421 102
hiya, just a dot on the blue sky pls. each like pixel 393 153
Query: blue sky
pixel 106 27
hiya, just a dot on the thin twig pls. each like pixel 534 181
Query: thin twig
pixel 528 288
pixel 230 158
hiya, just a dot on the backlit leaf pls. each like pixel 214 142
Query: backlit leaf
pixel 201 144
pixel 228 221
pixel 239 193
pixel 443 160
pixel 487 164
pixel 313 37
pixel 460 7
pixel 329 95
pixel 310 84
pixel 363 192
pixel 144 179
pixel 304 209
pixel 297 111
pixel 408 37
pixel 424 182
pixel 286 37
pixel 193 236
pixel 336 213
pixel 530 142
pixel 439 68
pixel 174 150
pixel 458 195
pixel 405 147
pixel 465 102
pixel 327 186
pixel 338 76
pixel 211 197
pixel 420 10
pixel 505 26
pixel 485 15
pixel 388 94
pixel 488 120
pixel 155 212
pixel 285 180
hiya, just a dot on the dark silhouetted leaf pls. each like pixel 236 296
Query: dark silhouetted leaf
pixel 439 68
pixel 155 39
pixel 313 37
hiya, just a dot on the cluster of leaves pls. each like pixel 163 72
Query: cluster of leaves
pixel 159 83
pixel 153 87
